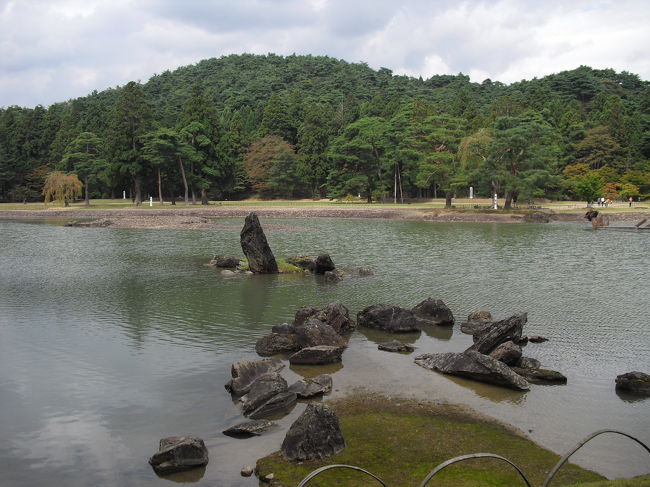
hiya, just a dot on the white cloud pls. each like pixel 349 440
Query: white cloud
pixel 54 50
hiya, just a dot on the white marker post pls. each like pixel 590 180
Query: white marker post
pixel 150 200
pixel 495 206
pixel 123 195
pixel 471 192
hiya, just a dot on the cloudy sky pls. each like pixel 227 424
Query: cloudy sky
pixel 53 50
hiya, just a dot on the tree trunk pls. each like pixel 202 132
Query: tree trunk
pixel 448 196
pixel 86 196
pixel 137 182
pixel 160 196
pixel 401 190
pixel 435 191
pixel 172 197
pixel 204 197
pixel 508 203
pixel 192 185
pixel 395 187
pixel 180 163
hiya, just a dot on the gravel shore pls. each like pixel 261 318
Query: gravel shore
pixel 202 218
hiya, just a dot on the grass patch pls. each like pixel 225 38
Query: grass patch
pixel 402 440
pixel 283 266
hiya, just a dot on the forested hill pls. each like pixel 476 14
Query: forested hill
pixel 300 126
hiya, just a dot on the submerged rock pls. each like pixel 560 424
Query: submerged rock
pixel 179 453
pixel 473 365
pixel 256 248
pixel 433 312
pixel 395 346
pixel 540 376
pixel 388 318
pixel 323 264
pixel 280 403
pixel 315 434
pixel 250 428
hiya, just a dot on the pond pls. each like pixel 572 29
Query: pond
pixel 111 339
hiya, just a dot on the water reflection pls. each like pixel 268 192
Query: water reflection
pixel 309 371
pixel 189 476
pixel 379 336
pixel 439 332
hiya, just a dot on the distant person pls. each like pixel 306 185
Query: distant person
pixel 608 202
pixel 630 201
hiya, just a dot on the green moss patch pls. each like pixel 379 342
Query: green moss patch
pixel 402 440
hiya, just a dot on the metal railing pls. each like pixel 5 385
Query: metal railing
pixel 462 458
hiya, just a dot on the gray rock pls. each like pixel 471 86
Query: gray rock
pixel 388 318
pixel 245 372
pixel 262 389
pixel 275 343
pixel 537 339
pixel 179 453
pixel 337 316
pixel 481 316
pixel 334 276
pixel 472 327
pixel 510 329
pixel 303 314
pixel 473 365
pixel 395 346
pixel 250 428
pixel 315 434
pixel 508 352
pixel 540 376
pixel 366 271
pixel 323 264
pixel 320 355
pixel 433 312
pixel 280 403
pixel 314 333
pixel 256 248
pixel 636 382
pixel 247 471
pixel 225 262
pixel 306 388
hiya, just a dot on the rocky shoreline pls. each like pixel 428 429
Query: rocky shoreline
pixel 201 218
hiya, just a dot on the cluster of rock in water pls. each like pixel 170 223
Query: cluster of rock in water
pixel 319 336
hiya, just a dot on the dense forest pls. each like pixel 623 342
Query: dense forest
pixel 314 126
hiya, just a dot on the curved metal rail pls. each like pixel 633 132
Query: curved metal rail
pixel 318 471
pixel 469 457
pixel 582 443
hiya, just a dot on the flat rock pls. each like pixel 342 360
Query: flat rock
pixel 262 389
pixel 366 271
pixel 537 339
pixel 179 453
pixel 395 346
pixel 225 262
pixel 315 434
pixel 250 428
pixel 473 365
pixel 245 372
pixel 302 261
pixel 275 343
pixel 280 403
pixel 636 382
pixel 320 355
pixel 528 363
pixel 256 248
pixel 388 318
pixel 310 387
pixel 433 312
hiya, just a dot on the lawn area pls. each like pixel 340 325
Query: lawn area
pixel 402 440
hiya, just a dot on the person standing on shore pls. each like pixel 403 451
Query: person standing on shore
pixel 630 201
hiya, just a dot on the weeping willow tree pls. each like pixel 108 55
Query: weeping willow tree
pixel 61 187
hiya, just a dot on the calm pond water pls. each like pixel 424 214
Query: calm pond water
pixel 111 339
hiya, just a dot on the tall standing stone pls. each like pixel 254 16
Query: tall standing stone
pixel 256 248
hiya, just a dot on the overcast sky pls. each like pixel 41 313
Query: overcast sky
pixel 54 50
